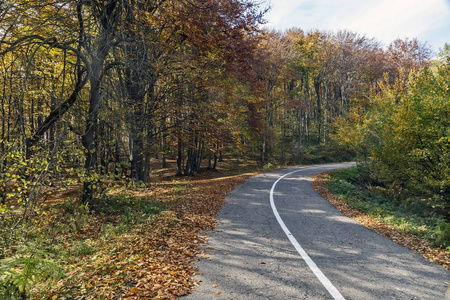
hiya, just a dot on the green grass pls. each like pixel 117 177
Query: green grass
pixel 407 213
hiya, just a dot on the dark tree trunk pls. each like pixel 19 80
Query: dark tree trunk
pixel 137 160
pixel 118 163
pixel 189 167
pixel 209 162
pixel 179 156
pixel 199 157
pixel 319 109
pixel 194 157
pixel 89 138
pixel 163 144
pixel 179 129
pixel 107 21
pixel 215 162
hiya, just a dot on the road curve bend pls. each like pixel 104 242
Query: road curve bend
pixel 278 239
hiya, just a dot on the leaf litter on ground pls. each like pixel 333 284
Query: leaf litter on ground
pixel 155 259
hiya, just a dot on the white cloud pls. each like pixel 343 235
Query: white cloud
pixel 382 19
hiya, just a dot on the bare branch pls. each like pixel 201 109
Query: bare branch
pixel 56 114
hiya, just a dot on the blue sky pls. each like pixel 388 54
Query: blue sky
pixel 385 20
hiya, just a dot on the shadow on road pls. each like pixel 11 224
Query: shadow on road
pixel 251 258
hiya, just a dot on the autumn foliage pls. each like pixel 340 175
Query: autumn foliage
pixel 98 96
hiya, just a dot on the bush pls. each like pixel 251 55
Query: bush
pixel 443 235
pixel 403 139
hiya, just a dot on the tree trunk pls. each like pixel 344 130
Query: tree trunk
pixel 319 109
pixel 163 143
pixel 179 128
pixel 300 128
pixel 118 163
pixel 199 157
pixel 215 162
pixel 179 156
pixel 137 159
pixel 325 112
pixel 89 138
pixel 96 67
pixel 189 167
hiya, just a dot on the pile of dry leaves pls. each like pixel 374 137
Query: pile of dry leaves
pixel 156 259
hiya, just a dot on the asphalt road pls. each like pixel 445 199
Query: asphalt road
pixel 253 257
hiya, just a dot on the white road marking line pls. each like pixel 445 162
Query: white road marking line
pixel 311 264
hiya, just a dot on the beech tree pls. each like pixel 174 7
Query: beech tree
pixel 99 87
pixel 404 56
pixel 403 137
pixel 41 82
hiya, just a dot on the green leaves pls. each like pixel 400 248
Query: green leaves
pixel 26 268
pixel 406 135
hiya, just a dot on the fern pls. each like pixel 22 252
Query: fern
pixel 19 272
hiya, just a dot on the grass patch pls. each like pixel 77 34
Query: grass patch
pixel 409 214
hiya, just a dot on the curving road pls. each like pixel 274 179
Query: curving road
pixel 278 239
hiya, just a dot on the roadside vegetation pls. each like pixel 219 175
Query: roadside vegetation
pixel 402 140
pixel 136 241
pixel 402 146
pixel 407 213
pixel 407 219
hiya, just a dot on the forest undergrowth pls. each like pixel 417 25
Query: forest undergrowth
pixel 408 223
pixel 136 242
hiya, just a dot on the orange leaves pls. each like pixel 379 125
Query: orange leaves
pixel 153 260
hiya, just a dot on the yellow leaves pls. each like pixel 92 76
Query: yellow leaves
pixel 153 260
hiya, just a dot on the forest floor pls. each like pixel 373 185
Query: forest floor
pixel 155 257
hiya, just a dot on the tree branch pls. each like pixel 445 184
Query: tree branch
pixel 56 114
